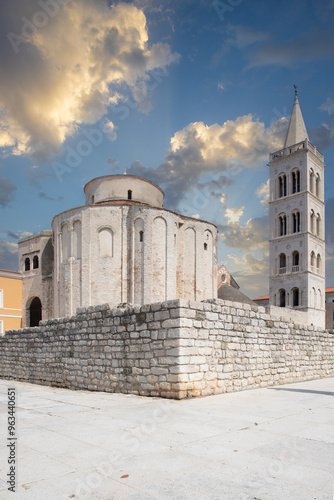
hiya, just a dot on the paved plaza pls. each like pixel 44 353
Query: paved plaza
pixel 264 444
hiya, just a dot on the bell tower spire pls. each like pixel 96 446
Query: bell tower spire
pixel 297 131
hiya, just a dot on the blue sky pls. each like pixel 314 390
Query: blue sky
pixel 192 95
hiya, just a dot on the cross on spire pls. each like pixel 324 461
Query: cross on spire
pixel 295 90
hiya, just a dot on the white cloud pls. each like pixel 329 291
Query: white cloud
pixel 8 255
pixel 109 130
pixel 249 264
pixel 323 136
pixel 254 235
pixel 250 272
pixel 220 86
pixel 242 36
pixel 200 149
pixel 113 163
pixel 328 105
pixel 233 215
pixel 88 57
pixel 263 192
pixel 223 199
pixel 241 142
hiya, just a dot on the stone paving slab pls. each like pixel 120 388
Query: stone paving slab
pixel 263 444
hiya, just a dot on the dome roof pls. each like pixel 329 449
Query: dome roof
pixel 123 188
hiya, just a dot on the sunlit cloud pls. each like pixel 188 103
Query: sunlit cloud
pixel 263 192
pixel 200 149
pixel 89 56
pixel 249 264
pixel 233 215
pixel 223 199
pixel 253 235
pixel 251 272
pixel 109 130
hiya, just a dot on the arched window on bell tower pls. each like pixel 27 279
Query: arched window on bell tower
pixel 282 225
pixel 282 191
pixel 312 181
pixel 296 222
pixel 282 263
pixel 295 181
pixel 318 225
pixel 312 217
pixel 317 186
pixel 295 262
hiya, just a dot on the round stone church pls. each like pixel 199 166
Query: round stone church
pixel 121 246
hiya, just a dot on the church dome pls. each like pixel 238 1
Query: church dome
pixel 130 188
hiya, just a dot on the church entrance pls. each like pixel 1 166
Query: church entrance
pixel 35 312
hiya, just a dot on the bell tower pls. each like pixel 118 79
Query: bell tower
pixel 297 223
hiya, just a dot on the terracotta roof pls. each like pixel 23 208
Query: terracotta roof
pixel 263 297
pixel 327 290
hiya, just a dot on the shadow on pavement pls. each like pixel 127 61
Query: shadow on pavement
pixel 309 391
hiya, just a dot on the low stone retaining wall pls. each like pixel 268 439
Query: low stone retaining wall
pixel 174 349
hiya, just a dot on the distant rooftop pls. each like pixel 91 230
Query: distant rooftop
pixel 264 297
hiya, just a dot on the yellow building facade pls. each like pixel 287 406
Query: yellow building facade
pixel 10 300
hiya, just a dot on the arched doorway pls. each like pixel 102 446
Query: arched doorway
pixel 35 312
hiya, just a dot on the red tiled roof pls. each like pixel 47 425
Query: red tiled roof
pixel 263 297
pixel 327 290
pixel 7 271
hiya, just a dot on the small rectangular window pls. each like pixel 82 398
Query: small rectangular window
pixel 1 327
pixel 1 299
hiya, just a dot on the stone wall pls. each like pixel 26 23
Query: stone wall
pixel 174 349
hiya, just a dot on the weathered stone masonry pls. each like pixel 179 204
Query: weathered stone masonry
pixel 173 349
